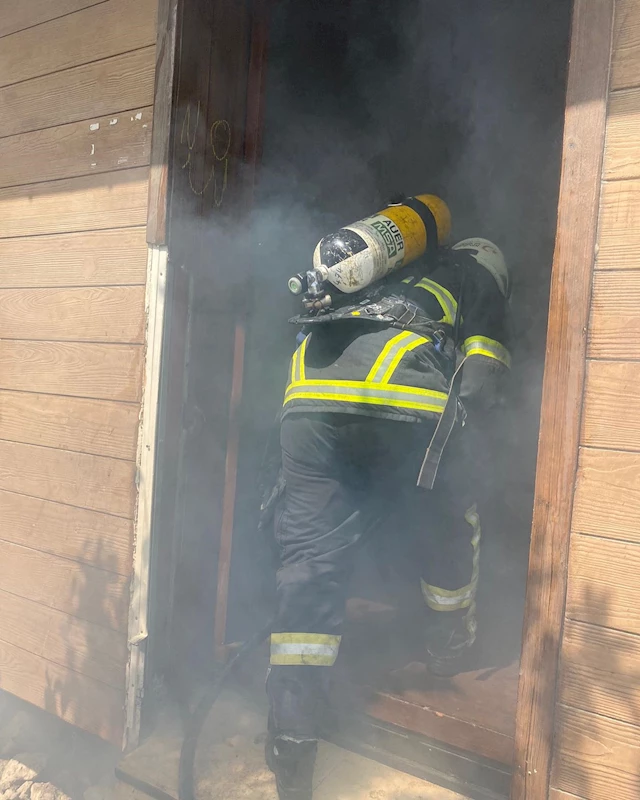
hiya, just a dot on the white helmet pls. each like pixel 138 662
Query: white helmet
pixel 490 256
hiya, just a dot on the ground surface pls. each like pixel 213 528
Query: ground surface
pixel 230 764
pixel 42 758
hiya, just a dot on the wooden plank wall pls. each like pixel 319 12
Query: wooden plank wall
pixel 76 108
pixel 597 741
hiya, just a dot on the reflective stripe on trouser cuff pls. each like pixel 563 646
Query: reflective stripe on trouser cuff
pixel 446 600
pixel 483 346
pixel 304 649
pixel 386 394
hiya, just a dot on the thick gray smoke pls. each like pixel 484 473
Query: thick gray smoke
pixel 462 99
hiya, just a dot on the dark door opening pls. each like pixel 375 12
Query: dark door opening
pixel 463 100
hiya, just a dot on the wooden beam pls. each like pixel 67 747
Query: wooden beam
pixel 107 29
pixel 97 89
pixel 597 757
pixel 619 229
pixel 95 258
pixel 80 369
pixel 165 90
pixel 601 671
pixel 89 537
pixel 252 154
pixel 607 494
pixel 79 314
pixel 625 62
pixel 97 427
pixel 563 384
pixel 92 202
pixel 611 415
pixel 75 698
pixel 92 650
pixel 614 329
pixel 146 462
pixel 16 17
pixel 603 583
pixel 99 144
pixel 80 590
pixel 623 133
pixel 76 479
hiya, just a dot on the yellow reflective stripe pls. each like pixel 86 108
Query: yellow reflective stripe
pixel 390 346
pixel 387 387
pixel 483 346
pixel 306 660
pixel 400 355
pixel 444 600
pixel 392 354
pixel 302 350
pixel 373 401
pixel 304 649
pixel 306 638
pixel 297 363
pixel 447 301
pixel 451 600
pixel 370 393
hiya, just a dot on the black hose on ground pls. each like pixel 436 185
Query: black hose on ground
pixel 193 729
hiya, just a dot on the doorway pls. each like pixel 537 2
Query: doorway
pixel 463 100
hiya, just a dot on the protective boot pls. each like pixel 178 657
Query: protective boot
pixel 450 636
pixel 292 763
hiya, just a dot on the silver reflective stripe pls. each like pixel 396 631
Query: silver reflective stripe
pixel 445 600
pixel 362 392
pixel 304 649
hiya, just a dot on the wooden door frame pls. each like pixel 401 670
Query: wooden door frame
pixel 138 623
pixel 564 374
pixel 562 393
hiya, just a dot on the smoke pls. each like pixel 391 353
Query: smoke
pixel 462 99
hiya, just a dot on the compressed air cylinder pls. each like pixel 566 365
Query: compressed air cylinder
pixel 366 251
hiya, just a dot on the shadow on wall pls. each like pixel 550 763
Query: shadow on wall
pixel 597 744
pixel 596 727
pixel 89 691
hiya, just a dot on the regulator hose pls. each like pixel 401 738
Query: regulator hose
pixel 195 723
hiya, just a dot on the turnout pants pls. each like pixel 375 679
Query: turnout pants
pixel 346 475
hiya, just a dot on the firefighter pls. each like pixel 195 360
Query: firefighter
pixel 369 389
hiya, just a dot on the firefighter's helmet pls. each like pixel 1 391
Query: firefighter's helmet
pixel 488 255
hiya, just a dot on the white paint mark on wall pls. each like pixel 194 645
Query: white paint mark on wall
pixel 93 149
pixel 139 115
pixel 113 121
pixel 93 164
pixel 122 160
pixel 95 126
pixel 145 125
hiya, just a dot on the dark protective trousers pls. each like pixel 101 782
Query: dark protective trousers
pixel 345 476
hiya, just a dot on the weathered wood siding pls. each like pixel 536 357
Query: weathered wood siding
pixel 76 107
pixel 597 729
